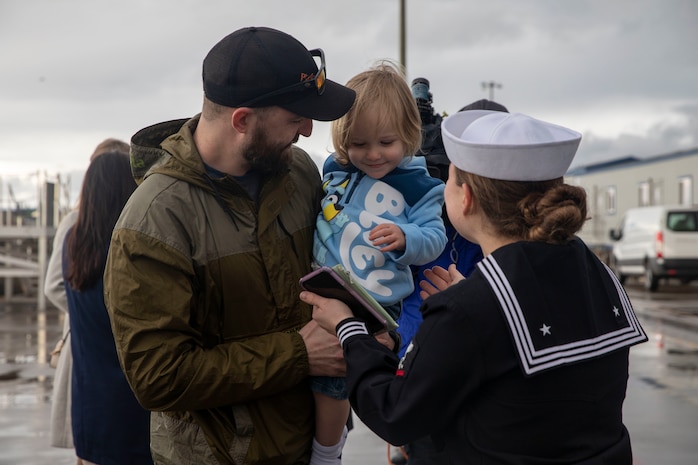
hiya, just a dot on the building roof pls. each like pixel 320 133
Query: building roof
pixel 629 161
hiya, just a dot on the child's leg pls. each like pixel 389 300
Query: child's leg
pixel 331 417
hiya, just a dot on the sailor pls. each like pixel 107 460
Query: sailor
pixel 526 361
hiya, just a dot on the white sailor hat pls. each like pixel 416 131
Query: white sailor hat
pixel 508 146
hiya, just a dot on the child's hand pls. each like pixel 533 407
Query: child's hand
pixel 326 312
pixel 387 237
pixel 438 279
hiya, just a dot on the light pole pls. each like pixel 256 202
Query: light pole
pixel 403 58
pixel 491 85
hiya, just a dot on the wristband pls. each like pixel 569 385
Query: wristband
pixel 350 327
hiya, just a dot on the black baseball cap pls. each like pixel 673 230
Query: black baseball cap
pixel 260 66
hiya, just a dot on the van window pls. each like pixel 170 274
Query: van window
pixel 682 221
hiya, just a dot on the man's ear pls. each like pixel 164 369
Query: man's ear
pixel 241 119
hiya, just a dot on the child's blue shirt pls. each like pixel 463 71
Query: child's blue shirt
pixel 355 203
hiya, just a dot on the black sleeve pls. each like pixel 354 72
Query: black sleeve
pixel 401 400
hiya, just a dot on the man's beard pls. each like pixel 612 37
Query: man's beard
pixel 266 157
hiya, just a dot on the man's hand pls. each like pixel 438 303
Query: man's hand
pixel 387 341
pixel 325 355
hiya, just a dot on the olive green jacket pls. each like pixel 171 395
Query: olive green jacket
pixel 204 304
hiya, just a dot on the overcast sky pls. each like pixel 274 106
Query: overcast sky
pixel 623 72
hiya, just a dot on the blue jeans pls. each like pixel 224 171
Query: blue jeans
pixel 333 387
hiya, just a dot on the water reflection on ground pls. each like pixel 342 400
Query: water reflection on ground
pixel 26 381
pixel 661 410
pixel 669 360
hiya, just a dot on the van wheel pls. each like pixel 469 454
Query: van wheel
pixel 651 281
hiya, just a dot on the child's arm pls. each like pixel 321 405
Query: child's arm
pixel 425 233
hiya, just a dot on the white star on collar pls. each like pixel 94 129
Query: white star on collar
pixel 616 312
pixel 545 329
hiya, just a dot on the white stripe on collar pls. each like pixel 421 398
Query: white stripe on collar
pixel 533 360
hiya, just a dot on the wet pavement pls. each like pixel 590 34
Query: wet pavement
pixel 661 409
pixel 26 381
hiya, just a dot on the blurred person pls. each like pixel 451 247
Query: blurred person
pixel 109 426
pixel 202 279
pixel 542 328
pixel 458 251
pixel 61 433
pixel 381 213
pixel 110 144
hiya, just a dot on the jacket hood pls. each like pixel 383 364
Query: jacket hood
pixel 168 148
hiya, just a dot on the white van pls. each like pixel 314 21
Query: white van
pixel 656 242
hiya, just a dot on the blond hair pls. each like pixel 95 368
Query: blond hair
pixel 381 88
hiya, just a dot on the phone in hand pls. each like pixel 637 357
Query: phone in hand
pixel 335 283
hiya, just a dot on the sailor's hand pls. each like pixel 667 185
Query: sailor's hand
pixel 326 312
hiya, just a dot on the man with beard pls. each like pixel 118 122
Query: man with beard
pixel 202 277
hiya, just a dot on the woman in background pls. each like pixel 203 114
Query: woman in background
pixel 61 434
pixel 109 426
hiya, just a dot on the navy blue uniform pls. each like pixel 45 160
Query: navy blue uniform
pixel 525 362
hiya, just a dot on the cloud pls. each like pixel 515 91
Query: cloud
pixel 624 73
pixel 660 138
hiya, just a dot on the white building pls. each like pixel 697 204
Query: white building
pixel 613 187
